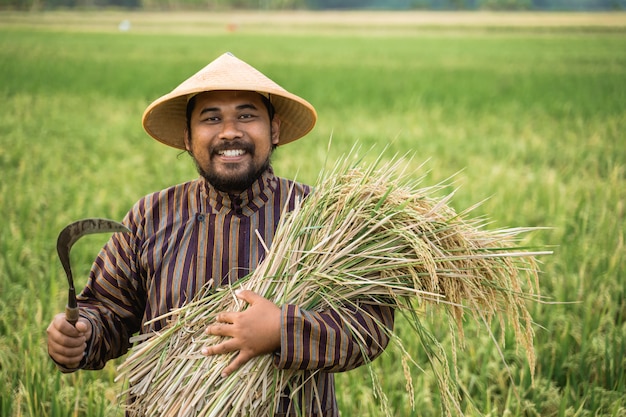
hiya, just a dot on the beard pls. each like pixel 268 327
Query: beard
pixel 236 181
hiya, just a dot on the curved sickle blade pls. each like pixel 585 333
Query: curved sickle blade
pixel 68 236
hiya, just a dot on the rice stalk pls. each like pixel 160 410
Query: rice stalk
pixel 365 235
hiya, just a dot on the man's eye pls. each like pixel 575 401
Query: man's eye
pixel 247 116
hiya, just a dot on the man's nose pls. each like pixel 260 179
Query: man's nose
pixel 230 129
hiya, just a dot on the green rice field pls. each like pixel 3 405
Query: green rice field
pixel 525 113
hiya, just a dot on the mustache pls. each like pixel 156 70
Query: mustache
pixel 225 146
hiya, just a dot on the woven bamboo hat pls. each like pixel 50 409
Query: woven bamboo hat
pixel 165 118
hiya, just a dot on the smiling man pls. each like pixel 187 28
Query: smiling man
pixel 227 136
pixel 214 230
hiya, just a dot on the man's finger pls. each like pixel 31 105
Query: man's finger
pixel 70 339
pixel 248 296
pixel 220 329
pixel 67 356
pixel 227 317
pixel 70 353
pixel 236 363
pixel 82 326
pixel 61 325
pixel 221 348
pixel 67 342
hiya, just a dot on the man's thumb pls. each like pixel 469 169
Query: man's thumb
pixel 82 326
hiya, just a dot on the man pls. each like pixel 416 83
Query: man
pixel 229 117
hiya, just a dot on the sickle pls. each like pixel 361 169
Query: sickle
pixel 68 236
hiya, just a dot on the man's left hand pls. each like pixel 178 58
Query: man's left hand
pixel 253 332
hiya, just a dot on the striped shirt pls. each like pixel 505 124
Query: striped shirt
pixel 186 235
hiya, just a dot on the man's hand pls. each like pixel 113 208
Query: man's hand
pixel 253 332
pixel 66 343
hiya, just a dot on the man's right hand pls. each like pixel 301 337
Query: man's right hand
pixel 66 343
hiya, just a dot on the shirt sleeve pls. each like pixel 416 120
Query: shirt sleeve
pixel 333 341
pixel 113 299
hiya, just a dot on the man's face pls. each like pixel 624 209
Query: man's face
pixel 231 138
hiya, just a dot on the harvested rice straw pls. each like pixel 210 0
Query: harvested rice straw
pixel 363 236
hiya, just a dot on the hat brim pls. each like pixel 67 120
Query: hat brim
pixel 165 119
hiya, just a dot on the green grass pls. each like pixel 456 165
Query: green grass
pixel 531 120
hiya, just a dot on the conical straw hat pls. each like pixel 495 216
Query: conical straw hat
pixel 165 118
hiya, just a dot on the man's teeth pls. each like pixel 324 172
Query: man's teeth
pixel 232 152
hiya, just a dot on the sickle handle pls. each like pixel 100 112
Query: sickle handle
pixel 71 315
pixel 71 309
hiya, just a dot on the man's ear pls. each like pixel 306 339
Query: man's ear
pixel 187 140
pixel 275 130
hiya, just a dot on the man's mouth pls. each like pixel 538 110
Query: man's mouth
pixel 231 153
pixel 233 150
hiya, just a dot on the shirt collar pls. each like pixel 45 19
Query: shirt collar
pixel 244 203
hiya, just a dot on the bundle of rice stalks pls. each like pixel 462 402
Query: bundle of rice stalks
pixel 363 236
